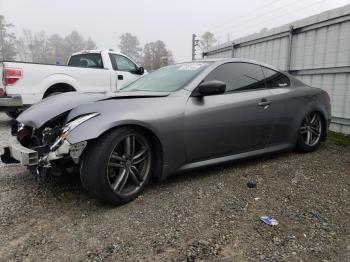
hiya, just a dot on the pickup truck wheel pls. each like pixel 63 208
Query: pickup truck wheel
pixel 53 94
pixel 117 166
pixel 14 113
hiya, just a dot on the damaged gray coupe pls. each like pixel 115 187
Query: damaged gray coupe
pixel 175 119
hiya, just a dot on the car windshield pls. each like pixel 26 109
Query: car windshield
pixel 167 79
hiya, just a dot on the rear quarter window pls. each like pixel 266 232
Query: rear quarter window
pixel 275 79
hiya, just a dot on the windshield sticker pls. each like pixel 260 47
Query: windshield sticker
pixel 191 67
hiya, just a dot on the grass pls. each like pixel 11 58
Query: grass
pixel 339 139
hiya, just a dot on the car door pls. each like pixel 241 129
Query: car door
pixel 231 123
pixel 89 71
pixel 125 70
pixel 284 106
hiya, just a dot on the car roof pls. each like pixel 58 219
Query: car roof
pixel 97 51
pixel 243 60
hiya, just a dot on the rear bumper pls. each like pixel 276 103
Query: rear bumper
pixel 10 102
pixel 16 153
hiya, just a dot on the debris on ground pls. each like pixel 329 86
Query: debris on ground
pixel 251 184
pixel 269 220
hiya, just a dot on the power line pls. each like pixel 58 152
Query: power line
pixel 274 18
pixel 245 21
pixel 231 20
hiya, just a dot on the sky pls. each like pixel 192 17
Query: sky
pixel 170 21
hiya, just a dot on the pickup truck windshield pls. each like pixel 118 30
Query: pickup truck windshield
pixel 86 60
pixel 167 79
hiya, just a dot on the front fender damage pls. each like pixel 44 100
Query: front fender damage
pixel 73 150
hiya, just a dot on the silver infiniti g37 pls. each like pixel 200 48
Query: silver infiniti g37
pixel 177 118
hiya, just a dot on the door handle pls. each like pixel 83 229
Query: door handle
pixel 264 103
pixel 120 77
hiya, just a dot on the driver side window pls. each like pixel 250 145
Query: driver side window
pixel 239 76
pixel 124 64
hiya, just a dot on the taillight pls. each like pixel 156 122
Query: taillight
pixel 11 75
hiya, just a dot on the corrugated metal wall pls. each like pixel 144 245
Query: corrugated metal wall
pixel 315 49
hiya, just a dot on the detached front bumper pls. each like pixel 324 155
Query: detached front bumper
pixel 16 153
pixel 10 102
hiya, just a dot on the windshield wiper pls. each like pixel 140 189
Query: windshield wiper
pixel 135 89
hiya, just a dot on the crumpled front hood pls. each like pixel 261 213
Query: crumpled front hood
pixel 40 113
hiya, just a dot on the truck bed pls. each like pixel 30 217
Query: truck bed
pixel 40 76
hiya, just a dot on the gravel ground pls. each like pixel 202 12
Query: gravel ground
pixel 205 215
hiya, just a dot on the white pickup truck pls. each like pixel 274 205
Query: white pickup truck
pixel 24 84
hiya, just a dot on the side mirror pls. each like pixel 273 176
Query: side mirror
pixel 210 88
pixel 140 70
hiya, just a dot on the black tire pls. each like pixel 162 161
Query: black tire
pixel 14 113
pixel 97 170
pixel 316 129
pixel 53 94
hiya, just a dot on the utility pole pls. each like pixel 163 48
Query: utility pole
pixel 290 48
pixel 194 43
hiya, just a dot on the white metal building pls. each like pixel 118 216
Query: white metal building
pixel 315 49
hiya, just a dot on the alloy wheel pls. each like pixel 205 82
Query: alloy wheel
pixel 129 165
pixel 311 129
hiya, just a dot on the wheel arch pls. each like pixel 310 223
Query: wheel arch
pixel 324 126
pixel 155 142
pixel 59 87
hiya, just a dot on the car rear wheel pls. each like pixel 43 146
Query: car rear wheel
pixel 310 132
pixel 117 166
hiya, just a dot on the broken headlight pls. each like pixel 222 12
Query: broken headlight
pixel 69 127
pixel 62 147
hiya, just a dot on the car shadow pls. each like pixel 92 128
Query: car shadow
pixel 212 170
pixel 68 187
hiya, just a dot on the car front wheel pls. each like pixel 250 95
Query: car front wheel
pixel 310 132
pixel 117 166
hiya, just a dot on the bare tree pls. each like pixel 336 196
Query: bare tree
pixel 22 50
pixel 74 42
pixel 207 40
pixel 42 47
pixel 130 45
pixel 36 45
pixel 90 44
pixel 7 41
pixel 56 49
pixel 156 55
